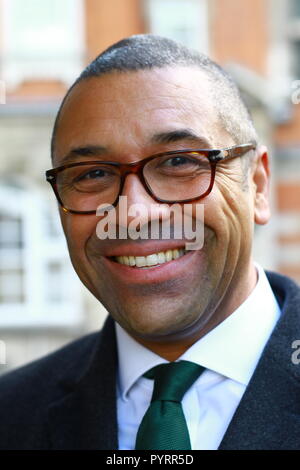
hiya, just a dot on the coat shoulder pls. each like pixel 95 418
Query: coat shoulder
pixel 46 371
pixel 26 391
pixel 285 289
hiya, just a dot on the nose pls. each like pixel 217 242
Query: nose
pixel 139 204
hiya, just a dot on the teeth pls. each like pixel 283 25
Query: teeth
pixel 131 260
pixel 169 255
pixel 161 257
pixel 151 260
pixel 140 261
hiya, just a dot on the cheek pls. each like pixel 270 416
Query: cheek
pixel 78 229
pixel 228 212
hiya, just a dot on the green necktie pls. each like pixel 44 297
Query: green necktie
pixel 163 426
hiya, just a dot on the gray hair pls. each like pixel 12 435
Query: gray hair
pixel 147 51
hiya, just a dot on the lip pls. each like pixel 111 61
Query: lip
pixel 154 274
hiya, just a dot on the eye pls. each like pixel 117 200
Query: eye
pixel 92 174
pixel 180 165
pixel 95 178
pixel 178 160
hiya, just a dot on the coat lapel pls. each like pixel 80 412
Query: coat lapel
pixel 85 416
pixel 268 416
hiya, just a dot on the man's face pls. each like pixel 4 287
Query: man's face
pixel 122 113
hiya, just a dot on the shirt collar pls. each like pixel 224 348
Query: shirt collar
pixel 232 348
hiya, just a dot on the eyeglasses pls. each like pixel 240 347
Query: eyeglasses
pixel 176 176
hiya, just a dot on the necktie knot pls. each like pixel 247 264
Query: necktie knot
pixel 172 380
pixel 164 427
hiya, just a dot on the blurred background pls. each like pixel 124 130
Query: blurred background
pixel 44 44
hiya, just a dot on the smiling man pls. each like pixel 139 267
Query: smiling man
pixel 196 351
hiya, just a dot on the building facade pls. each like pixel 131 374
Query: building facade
pixel 43 47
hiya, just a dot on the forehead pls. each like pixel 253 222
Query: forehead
pixel 126 108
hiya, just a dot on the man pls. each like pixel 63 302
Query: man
pixel 133 125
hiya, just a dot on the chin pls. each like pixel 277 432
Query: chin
pixel 169 325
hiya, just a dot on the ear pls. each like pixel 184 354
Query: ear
pixel 261 181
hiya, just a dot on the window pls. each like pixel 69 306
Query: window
pixel 41 39
pixel 38 286
pixel 296 58
pixel 294 36
pixel 11 260
pixel 182 20
pixel 295 8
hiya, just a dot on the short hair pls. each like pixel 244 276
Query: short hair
pixel 147 51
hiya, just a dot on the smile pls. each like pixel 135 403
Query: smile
pixel 150 260
pixel 152 268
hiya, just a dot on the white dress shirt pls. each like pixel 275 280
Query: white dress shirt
pixel 229 352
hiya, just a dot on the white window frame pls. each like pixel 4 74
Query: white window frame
pixel 39 249
pixel 29 65
pixel 282 31
pixel 166 17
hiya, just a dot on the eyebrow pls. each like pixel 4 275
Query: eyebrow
pixel 180 134
pixel 85 151
pixel 158 138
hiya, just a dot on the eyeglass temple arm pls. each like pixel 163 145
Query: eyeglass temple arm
pixel 234 152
